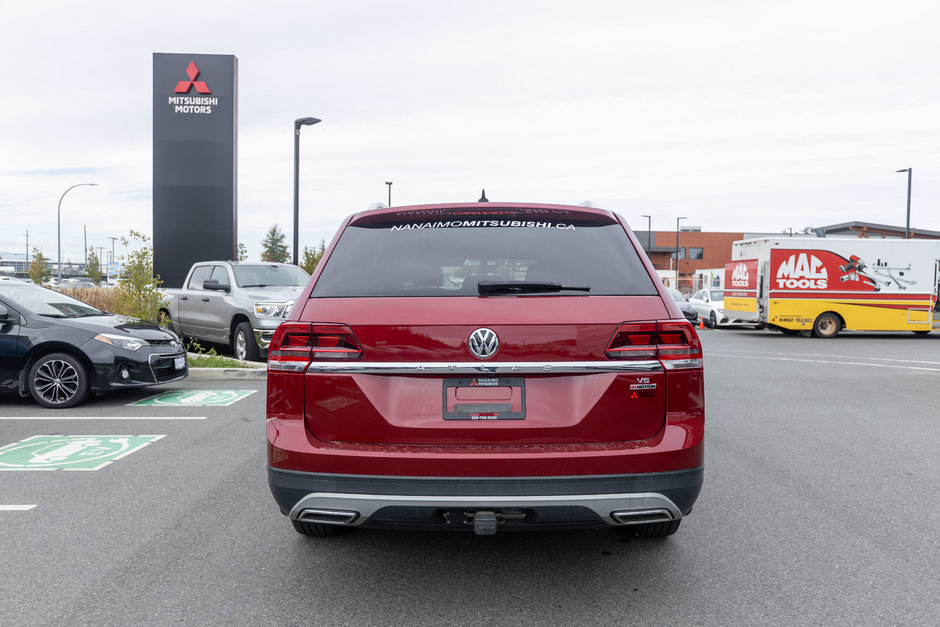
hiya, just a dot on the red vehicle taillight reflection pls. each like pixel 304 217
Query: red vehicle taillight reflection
pixel 674 344
pixel 296 344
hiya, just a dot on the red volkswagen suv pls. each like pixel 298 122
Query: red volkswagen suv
pixel 485 366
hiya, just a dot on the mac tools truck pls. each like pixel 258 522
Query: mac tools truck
pixel 826 285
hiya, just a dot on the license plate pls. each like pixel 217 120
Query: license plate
pixel 484 398
pixel 179 362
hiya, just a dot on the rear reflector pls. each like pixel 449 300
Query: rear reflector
pixel 674 343
pixel 296 344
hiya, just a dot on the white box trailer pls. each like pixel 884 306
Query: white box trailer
pixel 826 285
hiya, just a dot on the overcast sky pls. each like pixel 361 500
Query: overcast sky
pixel 742 116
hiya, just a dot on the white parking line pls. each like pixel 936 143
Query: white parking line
pixel 823 361
pixel 16 508
pixel 819 355
pixel 102 417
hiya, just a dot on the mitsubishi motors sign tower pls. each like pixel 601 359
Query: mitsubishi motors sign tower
pixel 195 106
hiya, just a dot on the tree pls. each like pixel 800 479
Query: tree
pixel 39 270
pixel 139 293
pixel 274 246
pixel 312 256
pixel 242 252
pixel 93 267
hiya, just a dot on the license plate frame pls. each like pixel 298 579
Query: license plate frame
pixel 179 363
pixel 483 409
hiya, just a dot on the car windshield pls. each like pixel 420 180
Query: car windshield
pixel 45 302
pixel 474 257
pixel 677 296
pixel 265 275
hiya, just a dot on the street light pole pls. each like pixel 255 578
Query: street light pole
pixel 907 227
pixel 677 250
pixel 649 234
pixel 297 124
pixel 59 223
pixel 389 183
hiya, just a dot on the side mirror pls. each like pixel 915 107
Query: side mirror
pixel 6 317
pixel 213 284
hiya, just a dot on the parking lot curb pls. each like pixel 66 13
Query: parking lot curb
pixel 228 374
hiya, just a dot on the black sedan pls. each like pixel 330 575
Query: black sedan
pixel 690 313
pixel 59 350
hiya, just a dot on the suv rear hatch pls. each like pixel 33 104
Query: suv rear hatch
pixel 394 338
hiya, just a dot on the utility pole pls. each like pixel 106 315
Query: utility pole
pixel 85 230
pixel 112 246
pixel 27 250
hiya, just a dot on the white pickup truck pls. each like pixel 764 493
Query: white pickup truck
pixel 237 303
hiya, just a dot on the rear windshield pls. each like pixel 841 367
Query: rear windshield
pixel 451 258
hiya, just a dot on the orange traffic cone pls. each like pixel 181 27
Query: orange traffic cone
pixel 701 323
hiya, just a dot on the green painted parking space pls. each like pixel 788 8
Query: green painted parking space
pixel 194 398
pixel 70 452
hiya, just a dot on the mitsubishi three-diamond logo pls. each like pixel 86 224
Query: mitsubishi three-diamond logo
pixel 192 72
pixel 199 103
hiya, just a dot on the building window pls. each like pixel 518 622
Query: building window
pixel 672 255
pixel 696 253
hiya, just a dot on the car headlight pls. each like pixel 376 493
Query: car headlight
pixel 273 310
pixel 130 343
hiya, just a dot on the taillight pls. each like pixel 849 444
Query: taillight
pixel 296 344
pixel 674 344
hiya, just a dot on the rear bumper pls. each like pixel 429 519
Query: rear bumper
pixel 519 502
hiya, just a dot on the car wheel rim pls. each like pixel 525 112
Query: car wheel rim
pixel 56 381
pixel 241 347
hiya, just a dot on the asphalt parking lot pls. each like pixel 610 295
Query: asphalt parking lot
pixel 819 507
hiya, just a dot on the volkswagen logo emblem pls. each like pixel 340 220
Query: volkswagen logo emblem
pixel 483 343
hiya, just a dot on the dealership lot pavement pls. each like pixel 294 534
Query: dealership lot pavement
pixel 819 507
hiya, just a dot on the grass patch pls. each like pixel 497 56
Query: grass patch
pixel 209 358
pixel 215 361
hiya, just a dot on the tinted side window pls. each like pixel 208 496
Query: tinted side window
pixel 417 260
pixel 199 275
pixel 220 274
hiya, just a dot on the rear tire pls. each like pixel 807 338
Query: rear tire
pixel 827 325
pixel 654 530
pixel 243 343
pixel 316 530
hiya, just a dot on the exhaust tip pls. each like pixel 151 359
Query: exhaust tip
pixel 642 516
pixel 328 516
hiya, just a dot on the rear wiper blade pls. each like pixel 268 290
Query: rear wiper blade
pixel 525 287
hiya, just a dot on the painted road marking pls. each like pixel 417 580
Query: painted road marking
pixel 70 452
pixel 194 398
pixel 822 361
pixel 102 417
pixel 16 508
pixel 820 355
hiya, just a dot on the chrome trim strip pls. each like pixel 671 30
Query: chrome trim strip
pixel 472 368
pixel 366 505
